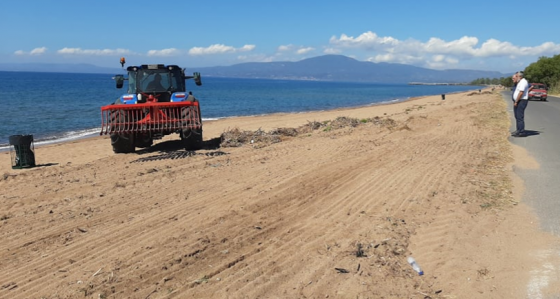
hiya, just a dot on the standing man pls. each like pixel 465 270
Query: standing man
pixel 521 98
pixel 514 80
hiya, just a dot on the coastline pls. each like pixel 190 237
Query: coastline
pixel 77 132
pixel 80 136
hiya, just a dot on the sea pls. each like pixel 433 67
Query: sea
pixel 56 107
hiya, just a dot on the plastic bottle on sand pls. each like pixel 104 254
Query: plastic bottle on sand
pixel 415 265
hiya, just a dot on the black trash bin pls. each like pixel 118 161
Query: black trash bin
pixel 443 96
pixel 22 151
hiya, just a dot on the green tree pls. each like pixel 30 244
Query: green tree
pixel 506 81
pixel 545 70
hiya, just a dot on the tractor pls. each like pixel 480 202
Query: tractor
pixel 156 104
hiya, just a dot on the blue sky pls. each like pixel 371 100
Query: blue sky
pixel 503 36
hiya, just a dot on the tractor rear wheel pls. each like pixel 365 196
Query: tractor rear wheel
pixel 143 141
pixel 122 143
pixel 192 138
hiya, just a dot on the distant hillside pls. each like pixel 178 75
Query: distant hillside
pixel 342 68
pixel 58 68
pixel 321 68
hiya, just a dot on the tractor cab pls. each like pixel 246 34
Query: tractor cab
pixel 154 79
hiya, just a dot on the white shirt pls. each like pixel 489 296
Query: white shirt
pixel 522 86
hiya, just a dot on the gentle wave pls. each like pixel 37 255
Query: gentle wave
pixel 80 134
pixel 71 135
pixel 67 136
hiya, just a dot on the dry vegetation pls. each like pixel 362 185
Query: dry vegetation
pixel 259 138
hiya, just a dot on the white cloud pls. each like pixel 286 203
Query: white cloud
pixel 36 51
pixel 304 50
pixel 219 49
pixel 441 62
pixel 332 51
pixel 93 52
pixel 451 60
pixel 463 46
pixel 396 58
pixel 285 48
pixel 367 40
pixel 164 52
pixel 382 58
pixel 438 58
pixel 494 47
pixel 299 50
pixel 435 51
pixel 247 48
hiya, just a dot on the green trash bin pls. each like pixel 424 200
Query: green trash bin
pixel 22 151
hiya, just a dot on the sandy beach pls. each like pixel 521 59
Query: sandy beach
pixel 330 212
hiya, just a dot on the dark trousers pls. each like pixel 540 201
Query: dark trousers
pixel 519 113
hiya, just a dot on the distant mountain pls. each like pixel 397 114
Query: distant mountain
pixel 58 68
pixel 321 68
pixel 343 68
